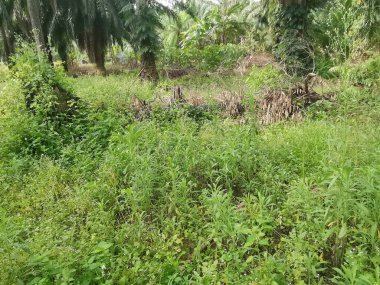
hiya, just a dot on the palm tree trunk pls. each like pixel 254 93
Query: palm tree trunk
pixel 148 61
pixel 62 51
pixel 48 51
pixel 98 45
pixel 5 43
pixel 100 59
pixel 8 39
pixel 35 18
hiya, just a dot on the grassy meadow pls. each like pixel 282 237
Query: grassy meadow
pixel 189 196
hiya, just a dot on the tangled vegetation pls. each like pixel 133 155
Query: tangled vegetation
pixel 173 199
pixel 231 143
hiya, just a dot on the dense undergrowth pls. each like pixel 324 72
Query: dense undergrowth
pixel 174 199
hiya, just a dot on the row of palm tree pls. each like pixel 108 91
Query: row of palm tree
pixel 91 24
pixel 96 24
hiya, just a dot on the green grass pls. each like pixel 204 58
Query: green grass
pixel 3 75
pixel 113 91
pixel 174 200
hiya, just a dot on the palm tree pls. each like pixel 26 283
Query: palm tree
pixel 35 19
pixel 14 20
pixel 197 9
pixel 224 22
pixel 142 22
pixel 96 23
pixel 174 28
pixel 59 28
pixel 93 24
pixel 6 27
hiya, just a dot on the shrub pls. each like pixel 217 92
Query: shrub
pixel 340 27
pixel 21 133
pixel 210 58
pixel 295 52
pixel 38 106
pixel 187 197
pixel 366 73
pixel 46 91
pixel 267 77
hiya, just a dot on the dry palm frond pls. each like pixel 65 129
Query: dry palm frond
pixel 176 73
pixel 260 60
pixel 231 104
pixel 140 108
pixel 196 101
pixel 274 106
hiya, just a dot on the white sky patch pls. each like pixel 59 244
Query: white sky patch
pixel 166 2
pixel 171 2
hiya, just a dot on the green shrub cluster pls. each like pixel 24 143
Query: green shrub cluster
pixel 45 89
pixel 210 58
pixel 366 73
pixel 39 112
pixel 266 77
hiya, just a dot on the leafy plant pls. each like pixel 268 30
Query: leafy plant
pixel 267 77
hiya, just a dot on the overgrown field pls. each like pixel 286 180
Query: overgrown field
pixel 190 197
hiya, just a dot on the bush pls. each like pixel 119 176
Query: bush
pixel 295 52
pixel 209 58
pixel 21 133
pixel 174 203
pixel 38 106
pixel 187 197
pixel 46 91
pixel 267 77
pixel 366 73
pixel 340 28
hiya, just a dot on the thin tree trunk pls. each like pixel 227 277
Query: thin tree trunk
pixel 35 18
pixel 89 45
pixel 148 61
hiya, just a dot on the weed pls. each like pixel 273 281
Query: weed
pixel 186 196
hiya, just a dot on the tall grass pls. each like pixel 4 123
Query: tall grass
pixel 182 202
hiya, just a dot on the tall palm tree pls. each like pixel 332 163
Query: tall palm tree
pixel 59 27
pixel 92 23
pixel 174 28
pixel 224 22
pixel 96 23
pixel 142 22
pixel 6 27
pixel 197 9
pixel 14 20
pixel 34 9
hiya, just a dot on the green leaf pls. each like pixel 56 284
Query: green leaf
pixel 343 231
